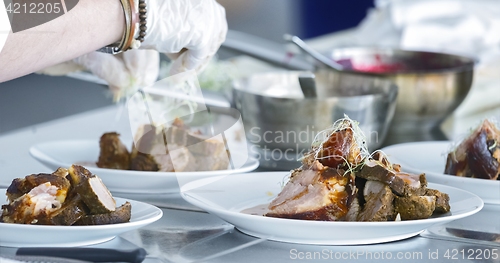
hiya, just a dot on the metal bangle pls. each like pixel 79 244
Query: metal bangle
pixel 133 22
pixel 127 36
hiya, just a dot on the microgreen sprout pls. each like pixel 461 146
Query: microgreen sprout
pixel 342 124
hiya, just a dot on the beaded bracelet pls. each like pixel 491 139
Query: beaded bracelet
pixel 142 24
pixel 142 20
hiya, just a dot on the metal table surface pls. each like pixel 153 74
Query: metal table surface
pixel 186 234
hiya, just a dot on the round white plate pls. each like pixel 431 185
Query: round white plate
pixel 20 235
pixel 229 195
pixel 57 154
pixel 430 158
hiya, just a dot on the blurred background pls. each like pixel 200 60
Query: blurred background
pixel 465 27
pixel 55 97
pixel 307 19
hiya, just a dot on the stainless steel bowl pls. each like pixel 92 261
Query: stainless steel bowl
pixel 431 85
pixel 281 124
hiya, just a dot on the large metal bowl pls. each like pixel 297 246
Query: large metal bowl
pixel 431 85
pixel 281 124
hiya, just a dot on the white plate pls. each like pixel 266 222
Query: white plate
pixel 19 235
pixel 229 195
pixel 430 158
pixel 56 154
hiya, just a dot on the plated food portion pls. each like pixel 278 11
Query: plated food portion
pixel 64 153
pixel 339 180
pixel 166 149
pixel 69 207
pixel 340 195
pixel 67 197
pixel 478 155
pixel 471 164
pixel 28 235
pixel 242 199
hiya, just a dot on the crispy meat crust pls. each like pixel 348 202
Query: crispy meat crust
pixel 113 153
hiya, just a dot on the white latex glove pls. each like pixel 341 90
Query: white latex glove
pixel 124 73
pixel 189 31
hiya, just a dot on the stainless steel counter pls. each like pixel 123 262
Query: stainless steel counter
pixel 186 234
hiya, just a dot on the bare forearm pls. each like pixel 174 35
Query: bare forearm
pixel 90 25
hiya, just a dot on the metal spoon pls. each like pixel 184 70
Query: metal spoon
pixel 313 53
pixel 308 85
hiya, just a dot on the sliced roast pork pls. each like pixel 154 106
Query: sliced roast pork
pixel 33 197
pixel 72 210
pixel 34 205
pixel 176 149
pixel 378 168
pixel 315 193
pixel 92 190
pixel 22 186
pixel 340 181
pixel 65 197
pixel 122 214
pixel 378 204
pixel 324 187
pixel 146 137
pixel 411 198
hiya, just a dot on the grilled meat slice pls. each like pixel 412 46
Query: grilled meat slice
pixel 113 153
pixel 148 139
pixel 209 154
pixel 21 186
pixel 77 173
pixel 194 141
pixel 176 149
pixel 62 198
pixel 315 193
pixel 143 162
pixel 354 210
pixel 150 151
pixel 182 136
pixel 414 207
pixel 71 211
pixel 478 156
pixel 378 202
pixel 39 202
pixel 403 184
pixel 178 159
pixel 373 190
pixel 122 214
pixel 92 190
pixel 145 138
pixel 159 160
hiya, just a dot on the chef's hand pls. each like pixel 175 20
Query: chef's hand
pixel 125 73
pixel 188 31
